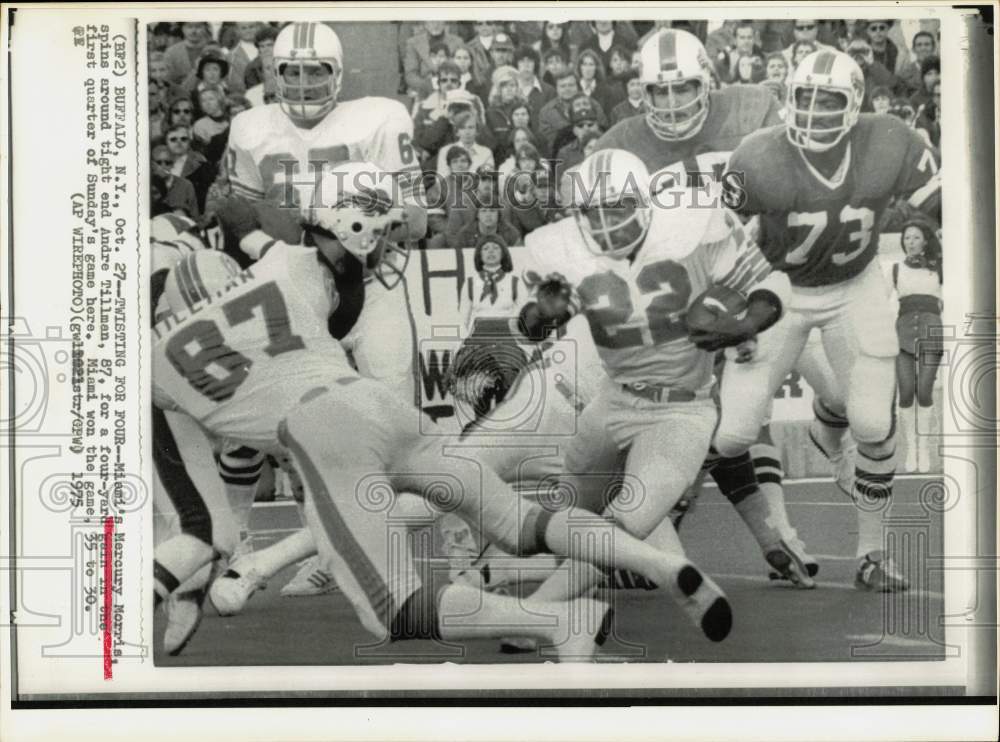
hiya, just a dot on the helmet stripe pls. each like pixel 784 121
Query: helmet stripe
pixel 824 63
pixel 185 284
pixel 312 35
pixel 668 51
pixel 199 285
pixel 297 36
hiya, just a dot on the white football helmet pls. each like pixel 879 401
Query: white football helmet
pixel 831 71
pixel 673 57
pixel 353 205
pixel 176 229
pixel 608 194
pixel 197 277
pixel 302 48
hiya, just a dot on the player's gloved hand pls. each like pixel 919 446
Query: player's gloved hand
pixel 237 217
pixel 278 222
pixel 553 296
pixel 727 331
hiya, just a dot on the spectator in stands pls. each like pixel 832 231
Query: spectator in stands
pixel 555 115
pixel 182 56
pixel 589 143
pixel 504 98
pixel 806 30
pixel 181 112
pixel 448 193
pixel 591 79
pixel 211 131
pixel 927 118
pixel 902 110
pixel 917 280
pixel 801 50
pixel 260 71
pixel 924 46
pixel 930 73
pixel 532 90
pixel 160 36
pixel 749 70
pixel 721 40
pixel 242 55
pixel 418 67
pixel 462 58
pixel 620 65
pixel 159 71
pixel 884 51
pixel 157 109
pixel 584 122
pixel 522 118
pixel 479 47
pixel 189 163
pixel 501 51
pixel 634 103
pixel 177 192
pixel 519 138
pixel 488 221
pixel 434 120
pixel 556 63
pixel 881 100
pixel 211 72
pixel 776 67
pixel 466 127
pixel 744 45
pixel 875 74
pixel 554 36
pixel 606 35
pixel 523 205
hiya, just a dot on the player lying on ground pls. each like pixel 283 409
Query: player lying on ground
pixel 257 356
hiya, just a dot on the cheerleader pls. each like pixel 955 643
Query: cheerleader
pixel 918 283
pixel 491 358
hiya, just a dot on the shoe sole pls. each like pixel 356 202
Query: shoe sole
pixel 717 620
pixel 791 568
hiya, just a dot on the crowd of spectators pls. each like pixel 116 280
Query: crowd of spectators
pixel 501 109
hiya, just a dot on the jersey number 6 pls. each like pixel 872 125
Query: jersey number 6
pixel 231 366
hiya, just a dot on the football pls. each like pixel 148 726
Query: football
pixel 718 300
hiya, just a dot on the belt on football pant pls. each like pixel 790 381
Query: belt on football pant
pixel 657 393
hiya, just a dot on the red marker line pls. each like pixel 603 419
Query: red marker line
pixel 109 530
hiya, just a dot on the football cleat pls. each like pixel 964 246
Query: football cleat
pixel 878 573
pixel 310 580
pixel 703 601
pixel 230 593
pixel 583 645
pixel 790 562
pixel 183 613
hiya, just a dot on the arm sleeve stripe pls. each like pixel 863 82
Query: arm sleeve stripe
pixel 243 190
pixel 925 191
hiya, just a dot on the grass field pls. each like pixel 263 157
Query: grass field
pixel 772 621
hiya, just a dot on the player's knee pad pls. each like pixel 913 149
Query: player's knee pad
pixel 871 398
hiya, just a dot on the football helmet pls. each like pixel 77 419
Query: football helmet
pixel 673 57
pixel 353 206
pixel 831 71
pixel 301 48
pixel 608 195
pixel 198 276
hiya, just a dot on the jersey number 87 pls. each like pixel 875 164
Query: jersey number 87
pixel 200 345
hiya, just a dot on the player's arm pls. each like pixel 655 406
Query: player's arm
pixel 393 152
pixel 738 264
pixel 739 181
pixel 919 179
pixel 240 168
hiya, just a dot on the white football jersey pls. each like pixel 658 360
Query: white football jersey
pixel 637 309
pixel 268 153
pixel 241 360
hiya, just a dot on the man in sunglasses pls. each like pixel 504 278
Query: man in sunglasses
pixel 884 51
pixel 804 30
pixel 177 192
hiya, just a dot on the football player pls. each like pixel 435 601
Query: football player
pixel 276 153
pixel 253 362
pixel 820 184
pixel 687 135
pixel 633 271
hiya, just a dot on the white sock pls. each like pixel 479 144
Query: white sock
pixel 268 562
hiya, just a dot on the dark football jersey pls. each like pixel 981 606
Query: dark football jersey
pixel 733 114
pixel 819 230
